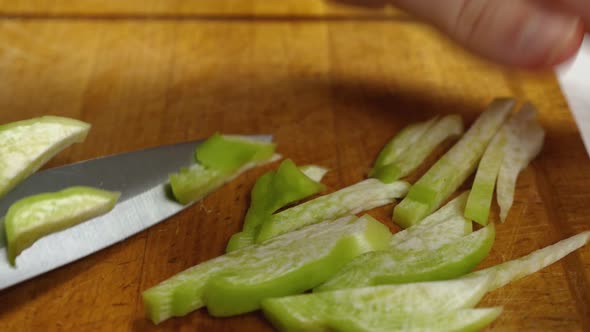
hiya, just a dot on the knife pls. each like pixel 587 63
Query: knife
pixel 140 176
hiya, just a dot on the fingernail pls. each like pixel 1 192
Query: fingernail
pixel 547 37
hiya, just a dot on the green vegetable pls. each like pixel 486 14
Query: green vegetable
pixel 27 145
pixel 449 172
pixel 404 153
pixel 361 196
pixel 314 172
pixel 393 267
pixel 444 226
pixel 34 217
pixel 395 148
pixel 288 264
pixel 482 191
pixel 524 141
pixel 273 191
pixel 507 272
pixel 227 153
pixel 220 159
pixel 429 306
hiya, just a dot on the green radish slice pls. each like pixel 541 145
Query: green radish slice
pixel 314 172
pixel 482 190
pixel 411 158
pixel 524 142
pixel 316 311
pixel 503 274
pixel 221 158
pixel 273 191
pixel 452 260
pixel 27 145
pixel 447 221
pixel 449 172
pixel 395 148
pixel 362 196
pixel 288 264
pixel 462 320
pixel 228 153
pixel 36 216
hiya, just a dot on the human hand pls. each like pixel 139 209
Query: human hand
pixel 524 33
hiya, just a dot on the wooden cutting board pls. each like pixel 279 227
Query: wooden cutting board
pixel 332 84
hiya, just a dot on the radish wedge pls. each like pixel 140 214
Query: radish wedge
pixel 449 172
pixel 273 191
pixel 372 305
pixel 452 260
pixel 288 264
pixel 507 272
pixel 27 145
pixel 34 217
pixel 221 158
pixel 362 196
pixel 524 142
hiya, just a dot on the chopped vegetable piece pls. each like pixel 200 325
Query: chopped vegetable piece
pixel 36 216
pixel 395 148
pixel 524 142
pixel 288 264
pixel 448 221
pixel 482 191
pixel 462 320
pixel 392 267
pixel 27 145
pixel 273 191
pixel 410 159
pixel 195 182
pixel 415 303
pixel 361 196
pixel 228 153
pixel 221 158
pixel 314 172
pixel 449 172
pixel 507 272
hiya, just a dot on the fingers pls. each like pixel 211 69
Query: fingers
pixel 523 33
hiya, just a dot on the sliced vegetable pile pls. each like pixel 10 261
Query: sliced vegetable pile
pixel 361 277
pixel 419 279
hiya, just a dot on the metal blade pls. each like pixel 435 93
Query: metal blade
pixel 140 176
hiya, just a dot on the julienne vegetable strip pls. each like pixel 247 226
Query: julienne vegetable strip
pixel 449 172
pixel 394 149
pixel 27 145
pixel 431 136
pixel 362 196
pixel 288 264
pixel 273 191
pixel 505 273
pixel 444 226
pixel 524 142
pixel 34 217
pixel 520 139
pixel 389 266
pixel 220 159
pixel 428 306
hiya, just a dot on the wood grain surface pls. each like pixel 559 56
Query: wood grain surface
pixel 332 84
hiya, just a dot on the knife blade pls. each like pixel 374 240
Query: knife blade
pixel 140 176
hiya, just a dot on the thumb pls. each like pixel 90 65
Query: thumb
pixel 515 32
